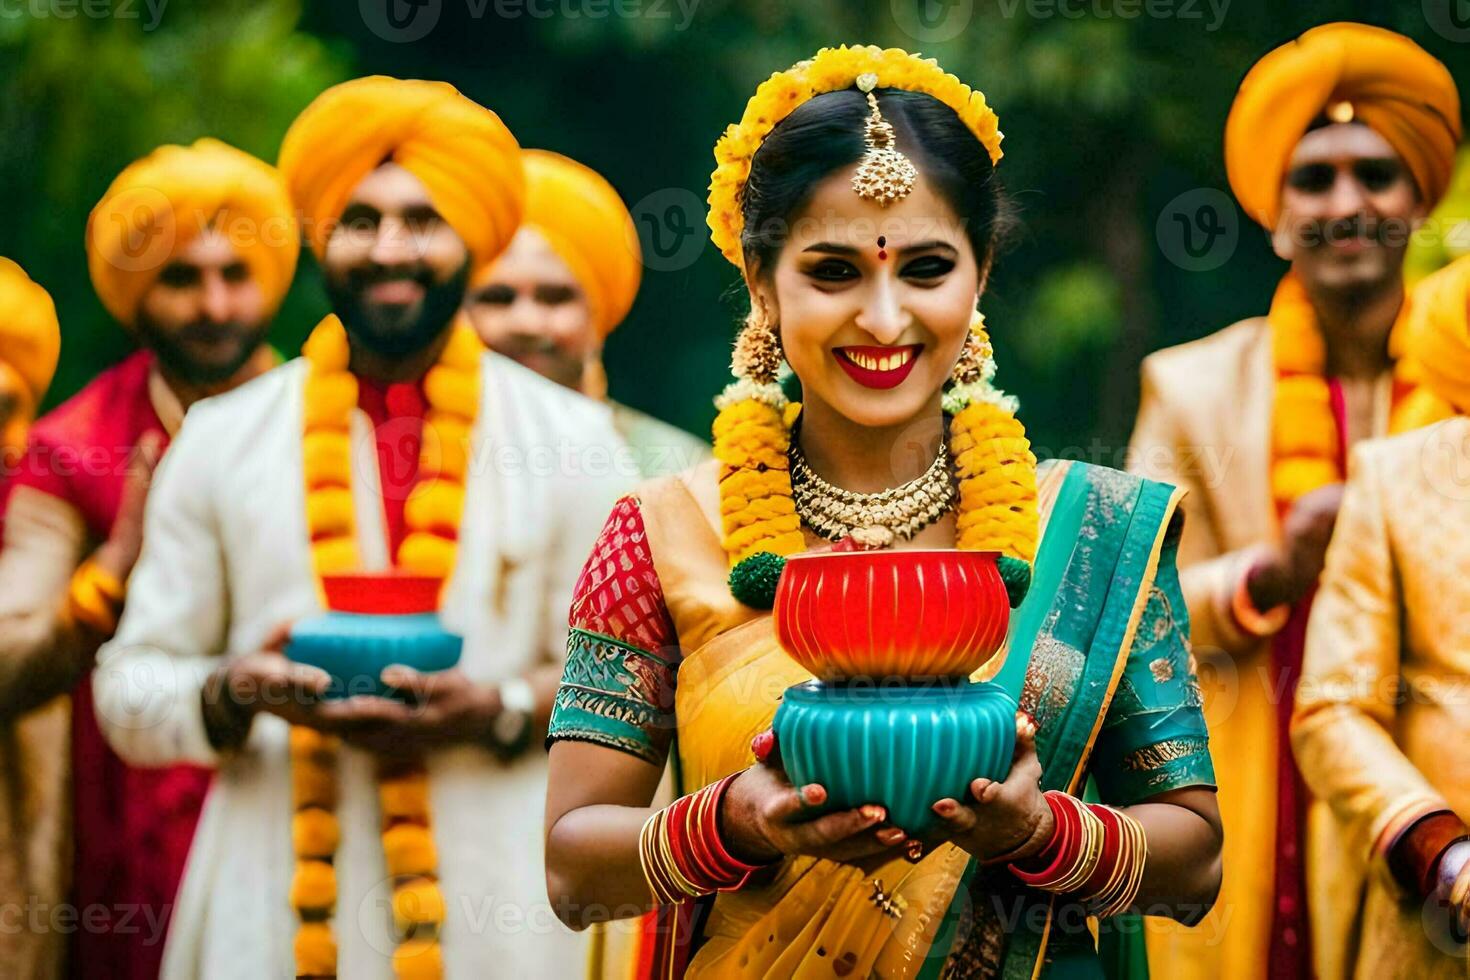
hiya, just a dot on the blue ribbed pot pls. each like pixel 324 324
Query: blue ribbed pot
pixel 903 747
pixel 355 647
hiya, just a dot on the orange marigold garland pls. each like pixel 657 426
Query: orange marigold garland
pixel 432 514
pixel 1305 442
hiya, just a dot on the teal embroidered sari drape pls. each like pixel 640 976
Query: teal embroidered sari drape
pixel 1111 685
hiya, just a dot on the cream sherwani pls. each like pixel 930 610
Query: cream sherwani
pixel 226 558
pixel 1204 425
pixel 1383 709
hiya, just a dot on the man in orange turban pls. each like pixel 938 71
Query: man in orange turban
pixel 1339 143
pixel 1380 711
pixel 192 249
pixel 567 280
pixel 396 443
pixel 30 342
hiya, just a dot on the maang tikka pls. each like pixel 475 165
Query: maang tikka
pixel 885 175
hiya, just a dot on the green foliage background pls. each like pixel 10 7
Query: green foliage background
pixel 1108 118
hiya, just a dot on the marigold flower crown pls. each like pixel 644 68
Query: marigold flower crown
pixel 830 70
pixel 994 468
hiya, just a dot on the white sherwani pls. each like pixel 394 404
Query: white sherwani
pixel 226 558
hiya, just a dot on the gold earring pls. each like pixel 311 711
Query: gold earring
pixel 977 358
pixel 757 356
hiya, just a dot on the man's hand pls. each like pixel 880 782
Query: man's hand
pixel 442 708
pixel 262 681
pixel 1292 568
pixel 119 553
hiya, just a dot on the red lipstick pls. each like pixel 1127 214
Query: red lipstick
pixel 878 367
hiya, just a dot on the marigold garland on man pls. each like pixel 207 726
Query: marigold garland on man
pixel 1338 143
pixel 369 829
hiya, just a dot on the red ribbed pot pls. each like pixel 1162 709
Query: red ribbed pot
pixel 891 614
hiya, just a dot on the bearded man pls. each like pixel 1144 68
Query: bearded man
pixel 370 836
pixel 191 249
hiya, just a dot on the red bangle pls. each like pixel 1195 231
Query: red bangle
pixel 1112 843
pixel 737 872
pixel 1060 851
pixel 690 831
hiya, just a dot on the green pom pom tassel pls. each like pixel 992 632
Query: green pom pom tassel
pixel 1016 574
pixel 753 580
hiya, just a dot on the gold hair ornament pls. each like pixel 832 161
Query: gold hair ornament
pixel 885 175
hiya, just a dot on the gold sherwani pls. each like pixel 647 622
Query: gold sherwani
pixel 1382 718
pixel 1204 424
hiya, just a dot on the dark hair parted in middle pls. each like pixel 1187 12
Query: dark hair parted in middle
pixel 825 134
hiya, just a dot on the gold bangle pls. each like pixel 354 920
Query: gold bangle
pixel 1088 857
pixel 1135 860
pixel 95 597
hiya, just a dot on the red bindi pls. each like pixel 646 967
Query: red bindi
pixel 882 251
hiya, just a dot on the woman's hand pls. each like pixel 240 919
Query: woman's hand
pixel 1008 820
pixel 763 817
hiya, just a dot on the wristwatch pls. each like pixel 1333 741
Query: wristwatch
pixel 511 729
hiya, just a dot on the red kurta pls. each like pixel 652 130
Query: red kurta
pixel 131 827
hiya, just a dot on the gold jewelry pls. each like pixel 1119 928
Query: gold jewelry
pixel 95 598
pixel 890 904
pixel 885 175
pixel 977 357
pixel 757 355
pixel 872 519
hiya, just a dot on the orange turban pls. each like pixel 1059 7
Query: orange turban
pixel 30 339
pixel 1390 84
pixel 589 228
pixel 1438 328
pixel 158 204
pixel 466 158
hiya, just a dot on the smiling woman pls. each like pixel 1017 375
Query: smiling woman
pixel 858 198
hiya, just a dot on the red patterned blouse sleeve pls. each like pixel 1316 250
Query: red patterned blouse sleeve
pixel 622 651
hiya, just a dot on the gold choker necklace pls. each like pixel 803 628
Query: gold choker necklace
pixel 872 520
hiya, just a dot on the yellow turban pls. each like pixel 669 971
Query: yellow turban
pixel 1390 84
pixel 158 204
pixel 30 339
pixel 1438 328
pixel 586 223
pixel 466 158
